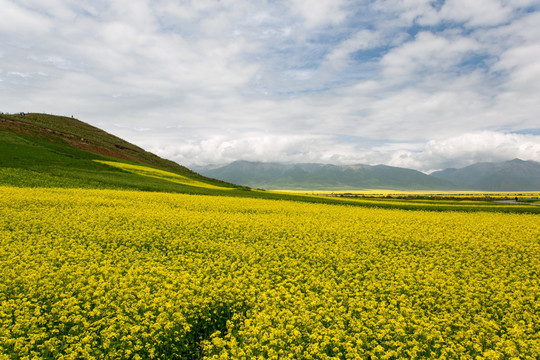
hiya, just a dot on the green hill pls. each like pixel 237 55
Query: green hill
pixel 39 150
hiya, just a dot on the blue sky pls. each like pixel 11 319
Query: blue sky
pixel 413 83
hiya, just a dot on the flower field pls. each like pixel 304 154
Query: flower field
pixel 109 274
pixel 160 174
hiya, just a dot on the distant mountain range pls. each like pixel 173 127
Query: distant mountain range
pixel 323 177
pixel 514 175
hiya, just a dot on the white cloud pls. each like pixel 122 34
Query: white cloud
pixel 458 151
pixel 21 21
pixel 407 12
pixel 254 147
pixel 427 53
pixel 477 13
pixel 521 62
pixel 467 149
pixel 56 61
pixel 216 81
pixel 362 40
pixel 321 12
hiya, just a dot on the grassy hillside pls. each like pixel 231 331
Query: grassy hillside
pixel 38 150
pixel 69 131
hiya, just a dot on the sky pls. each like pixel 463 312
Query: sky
pixel 423 84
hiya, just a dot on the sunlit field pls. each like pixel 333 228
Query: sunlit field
pixel 147 171
pixel 107 274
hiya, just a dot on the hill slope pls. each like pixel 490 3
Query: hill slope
pixel 41 150
pixel 75 133
pixel 513 175
pixel 323 177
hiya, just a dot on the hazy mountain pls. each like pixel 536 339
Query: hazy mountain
pixel 323 177
pixel 513 175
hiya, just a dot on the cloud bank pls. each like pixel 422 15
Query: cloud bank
pixel 425 84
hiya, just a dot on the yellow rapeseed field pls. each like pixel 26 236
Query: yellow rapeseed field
pixel 99 274
pixel 160 174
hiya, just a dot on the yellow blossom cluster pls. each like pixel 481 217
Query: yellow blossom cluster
pixel 161 174
pixel 104 274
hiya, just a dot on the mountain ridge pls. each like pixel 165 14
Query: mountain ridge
pixel 315 176
pixel 512 175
